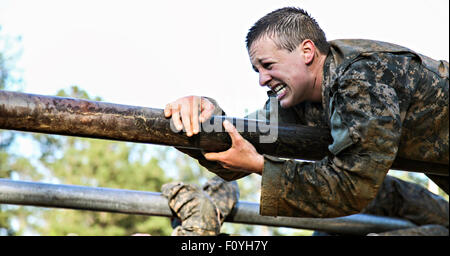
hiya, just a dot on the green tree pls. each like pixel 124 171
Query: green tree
pixel 12 164
pixel 102 163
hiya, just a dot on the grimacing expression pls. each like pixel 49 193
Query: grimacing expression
pixel 284 72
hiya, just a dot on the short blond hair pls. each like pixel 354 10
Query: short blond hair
pixel 289 27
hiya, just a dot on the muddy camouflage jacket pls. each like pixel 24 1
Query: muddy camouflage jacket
pixel 379 100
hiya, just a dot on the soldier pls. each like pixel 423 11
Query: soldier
pixel 379 101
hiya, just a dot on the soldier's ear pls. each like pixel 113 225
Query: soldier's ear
pixel 308 49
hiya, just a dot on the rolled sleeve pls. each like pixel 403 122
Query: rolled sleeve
pixel 271 185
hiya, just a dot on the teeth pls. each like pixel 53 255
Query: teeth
pixel 281 91
pixel 279 88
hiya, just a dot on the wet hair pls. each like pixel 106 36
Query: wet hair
pixel 288 27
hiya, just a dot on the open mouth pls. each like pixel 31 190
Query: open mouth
pixel 279 89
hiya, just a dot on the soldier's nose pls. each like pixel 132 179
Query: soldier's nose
pixel 264 78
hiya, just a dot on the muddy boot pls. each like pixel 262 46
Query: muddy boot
pixel 197 212
pixel 224 195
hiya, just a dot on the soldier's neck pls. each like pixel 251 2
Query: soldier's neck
pixel 317 70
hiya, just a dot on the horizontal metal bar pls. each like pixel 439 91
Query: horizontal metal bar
pixel 94 119
pixel 152 203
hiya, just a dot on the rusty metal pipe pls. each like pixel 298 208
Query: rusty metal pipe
pixel 93 119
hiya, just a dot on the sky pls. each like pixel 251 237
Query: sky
pixel 148 53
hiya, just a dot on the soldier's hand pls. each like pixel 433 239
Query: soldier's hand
pixel 189 112
pixel 242 155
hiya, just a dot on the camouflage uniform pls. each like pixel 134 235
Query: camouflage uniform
pixel 376 99
pixel 201 211
pixel 379 100
pixel 401 199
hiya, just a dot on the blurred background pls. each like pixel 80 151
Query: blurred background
pixel 148 53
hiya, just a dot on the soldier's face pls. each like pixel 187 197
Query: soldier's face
pixel 284 72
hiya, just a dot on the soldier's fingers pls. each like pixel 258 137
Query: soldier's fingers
pixel 207 109
pixel 236 138
pixel 195 106
pixel 177 121
pixel 168 110
pixel 225 166
pixel 185 117
pixel 213 156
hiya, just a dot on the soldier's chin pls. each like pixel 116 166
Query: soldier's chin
pixel 285 103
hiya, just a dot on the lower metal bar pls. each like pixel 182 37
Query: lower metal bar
pixel 152 203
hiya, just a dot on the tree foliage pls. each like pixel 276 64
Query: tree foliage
pixel 100 163
pixel 11 164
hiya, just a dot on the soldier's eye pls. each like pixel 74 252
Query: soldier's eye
pixel 267 65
